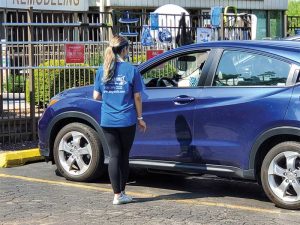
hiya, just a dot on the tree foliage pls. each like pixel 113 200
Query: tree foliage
pixel 50 81
pixel 293 8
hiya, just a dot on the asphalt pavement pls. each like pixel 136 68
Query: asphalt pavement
pixel 33 194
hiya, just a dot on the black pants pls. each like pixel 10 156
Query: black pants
pixel 119 141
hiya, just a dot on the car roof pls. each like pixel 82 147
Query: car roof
pixel 287 49
pixel 267 44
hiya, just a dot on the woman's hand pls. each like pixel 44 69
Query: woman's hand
pixel 142 125
pixel 97 95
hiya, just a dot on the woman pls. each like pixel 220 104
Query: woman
pixel 119 84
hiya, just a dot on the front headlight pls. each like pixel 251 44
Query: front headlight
pixel 56 98
pixel 53 101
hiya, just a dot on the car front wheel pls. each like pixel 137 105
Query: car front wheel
pixel 78 153
pixel 280 175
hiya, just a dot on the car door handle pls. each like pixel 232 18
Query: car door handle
pixel 183 100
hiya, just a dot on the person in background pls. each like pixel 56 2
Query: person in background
pixel 119 85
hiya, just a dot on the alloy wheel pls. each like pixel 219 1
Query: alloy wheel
pixel 75 153
pixel 284 176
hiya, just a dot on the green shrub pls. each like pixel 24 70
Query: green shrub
pixel 165 70
pixel 15 84
pixel 48 82
pixel 138 59
pixel 94 60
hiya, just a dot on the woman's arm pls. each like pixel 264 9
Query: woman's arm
pixel 139 110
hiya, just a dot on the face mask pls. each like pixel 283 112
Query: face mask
pixel 126 58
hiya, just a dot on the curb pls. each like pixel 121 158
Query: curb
pixel 19 158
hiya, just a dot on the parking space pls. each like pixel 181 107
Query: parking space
pixel 33 194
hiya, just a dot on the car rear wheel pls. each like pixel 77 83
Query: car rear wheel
pixel 280 175
pixel 78 153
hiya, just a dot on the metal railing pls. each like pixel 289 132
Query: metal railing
pixel 47 74
pixel 33 66
pixel 293 23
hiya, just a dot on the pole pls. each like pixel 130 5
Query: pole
pixel 31 73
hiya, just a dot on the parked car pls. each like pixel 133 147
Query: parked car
pixel 226 108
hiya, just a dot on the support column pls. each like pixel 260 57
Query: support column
pixel 285 24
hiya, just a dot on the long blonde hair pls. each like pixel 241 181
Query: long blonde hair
pixel 116 45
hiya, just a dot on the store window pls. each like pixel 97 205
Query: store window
pixel 275 24
pixel 261 31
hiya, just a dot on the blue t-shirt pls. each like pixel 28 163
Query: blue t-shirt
pixel 118 108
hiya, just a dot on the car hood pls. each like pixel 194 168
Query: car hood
pixel 86 91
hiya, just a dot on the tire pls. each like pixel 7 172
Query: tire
pixel 280 175
pixel 78 153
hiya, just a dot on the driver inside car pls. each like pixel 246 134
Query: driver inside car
pixel 190 80
pixel 191 77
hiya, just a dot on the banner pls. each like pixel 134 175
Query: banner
pixel 74 53
pixel 152 53
pixel 58 5
pixel 203 34
pixel 154 21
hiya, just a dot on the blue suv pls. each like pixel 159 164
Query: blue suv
pixel 226 108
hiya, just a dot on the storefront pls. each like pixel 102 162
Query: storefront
pixel 270 13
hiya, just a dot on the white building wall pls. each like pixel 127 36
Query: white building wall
pixel 240 4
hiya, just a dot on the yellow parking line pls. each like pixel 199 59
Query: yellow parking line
pixel 55 182
pixel 145 195
pixel 66 183
pixel 230 206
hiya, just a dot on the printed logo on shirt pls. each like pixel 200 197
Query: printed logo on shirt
pixel 116 85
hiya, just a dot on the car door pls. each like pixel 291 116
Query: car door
pixel 247 93
pixel 169 97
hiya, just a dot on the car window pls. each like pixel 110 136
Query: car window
pixel 183 71
pixel 249 69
